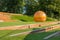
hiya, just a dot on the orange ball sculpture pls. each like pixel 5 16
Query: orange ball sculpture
pixel 40 16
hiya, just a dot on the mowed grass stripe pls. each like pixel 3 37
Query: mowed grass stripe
pixel 5 33
pixel 36 36
pixel 4 24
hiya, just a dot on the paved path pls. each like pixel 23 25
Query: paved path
pixel 36 25
pixel 39 31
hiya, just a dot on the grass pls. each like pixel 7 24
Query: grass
pixel 3 24
pixel 51 19
pixel 4 35
pixel 55 38
pixel 25 18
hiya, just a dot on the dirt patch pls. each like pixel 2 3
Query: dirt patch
pixel 6 17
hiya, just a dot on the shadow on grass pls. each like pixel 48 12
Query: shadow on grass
pixel 23 20
pixel 33 35
pixel 36 35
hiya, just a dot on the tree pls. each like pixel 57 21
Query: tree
pixel 13 6
pixel 51 7
pixel 3 4
pixel 31 6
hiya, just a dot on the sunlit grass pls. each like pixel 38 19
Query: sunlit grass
pixel 4 35
pixel 3 24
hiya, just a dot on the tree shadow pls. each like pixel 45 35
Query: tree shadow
pixel 23 20
pixel 34 35
pixel 37 35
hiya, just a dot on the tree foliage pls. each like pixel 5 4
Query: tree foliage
pixel 14 6
pixel 51 7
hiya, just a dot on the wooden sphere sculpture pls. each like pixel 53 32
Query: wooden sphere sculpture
pixel 40 16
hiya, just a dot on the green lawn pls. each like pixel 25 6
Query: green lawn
pixel 3 24
pixel 4 35
pixel 23 19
